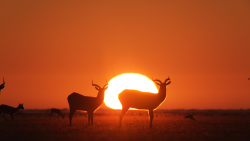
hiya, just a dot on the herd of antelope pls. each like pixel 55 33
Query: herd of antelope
pixel 128 98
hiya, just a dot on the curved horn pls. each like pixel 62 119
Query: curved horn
pixel 158 81
pixel 166 80
pixel 95 85
pixel 105 84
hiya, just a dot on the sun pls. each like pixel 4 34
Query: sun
pixel 127 81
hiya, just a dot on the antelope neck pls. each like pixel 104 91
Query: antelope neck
pixel 162 92
pixel 16 109
pixel 100 96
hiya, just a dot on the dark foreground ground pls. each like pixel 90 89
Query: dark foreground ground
pixel 167 126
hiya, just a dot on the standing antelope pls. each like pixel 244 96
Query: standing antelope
pixel 5 109
pixel 56 111
pixel 2 85
pixel 86 103
pixel 143 100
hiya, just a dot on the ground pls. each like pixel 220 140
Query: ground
pixel 135 126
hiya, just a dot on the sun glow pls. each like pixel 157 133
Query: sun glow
pixel 126 81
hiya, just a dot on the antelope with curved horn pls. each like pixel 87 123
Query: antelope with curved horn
pixel 2 85
pixel 143 100
pixel 86 103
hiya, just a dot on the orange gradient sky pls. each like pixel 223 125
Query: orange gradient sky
pixel 49 49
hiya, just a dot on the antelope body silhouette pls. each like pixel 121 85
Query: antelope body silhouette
pixel 2 85
pixel 190 117
pixel 56 111
pixel 143 100
pixel 5 109
pixel 90 104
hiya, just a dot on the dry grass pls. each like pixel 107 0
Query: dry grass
pixel 135 127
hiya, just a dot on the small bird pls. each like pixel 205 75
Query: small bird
pixel 190 117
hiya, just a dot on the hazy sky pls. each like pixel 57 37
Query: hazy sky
pixel 51 48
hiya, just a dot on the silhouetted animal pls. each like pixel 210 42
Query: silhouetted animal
pixel 2 85
pixel 5 109
pixel 56 111
pixel 248 78
pixel 143 100
pixel 86 103
pixel 190 117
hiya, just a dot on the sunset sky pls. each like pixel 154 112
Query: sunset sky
pixel 51 48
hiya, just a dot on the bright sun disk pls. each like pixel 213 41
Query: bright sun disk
pixel 126 81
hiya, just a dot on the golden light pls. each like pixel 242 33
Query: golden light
pixel 126 81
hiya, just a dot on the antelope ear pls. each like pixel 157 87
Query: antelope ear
pixel 168 83
pixel 158 83
pixel 96 88
pixel 106 87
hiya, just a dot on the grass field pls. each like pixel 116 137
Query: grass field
pixel 166 126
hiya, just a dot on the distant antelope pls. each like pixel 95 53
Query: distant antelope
pixel 5 109
pixel 190 117
pixel 56 111
pixel 2 85
pixel 143 100
pixel 86 103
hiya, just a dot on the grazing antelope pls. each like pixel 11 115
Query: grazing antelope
pixel 86 103
pixel 190 117
pixel 5 109
pixel 56 111
pixel 2 85
pixel 143 100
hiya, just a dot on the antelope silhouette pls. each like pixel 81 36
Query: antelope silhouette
pixel 190 117
pixel 143 100
pixel 56 111
pixel 2 85
pixel 86 103
pixel 5 109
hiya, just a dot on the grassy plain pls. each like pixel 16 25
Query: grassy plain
pixel 167 125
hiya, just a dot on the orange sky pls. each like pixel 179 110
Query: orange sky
pixel 49 49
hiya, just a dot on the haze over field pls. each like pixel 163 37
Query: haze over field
pixel 49 49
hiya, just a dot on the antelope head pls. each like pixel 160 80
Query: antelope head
pixel 164 84
pixel 20 106
pixel 100 89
